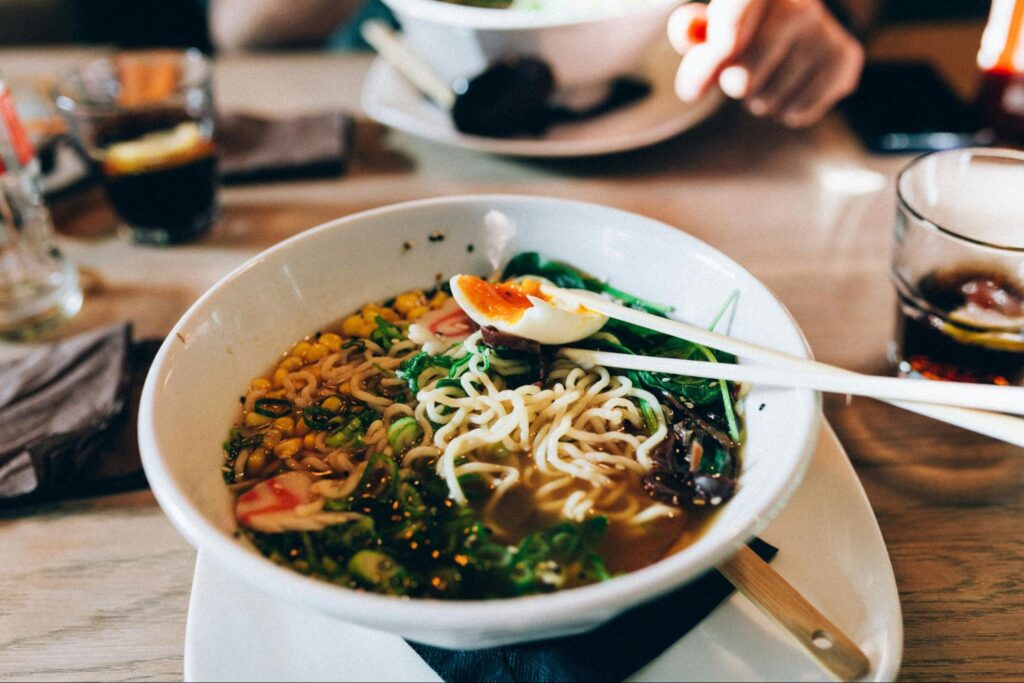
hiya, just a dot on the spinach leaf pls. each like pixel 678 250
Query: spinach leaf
pixel 411 369
pixel 236 443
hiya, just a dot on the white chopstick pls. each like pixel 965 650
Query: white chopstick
pixel 396 53
pixel 983 396
pixel 995 425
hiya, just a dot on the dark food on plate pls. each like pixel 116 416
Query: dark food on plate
pixel 407 450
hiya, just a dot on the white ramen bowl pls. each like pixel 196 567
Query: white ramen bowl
pixel 585 50
pixel 238 328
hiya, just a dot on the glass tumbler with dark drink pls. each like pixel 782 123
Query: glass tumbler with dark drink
pixel 958 271
pixel 145 120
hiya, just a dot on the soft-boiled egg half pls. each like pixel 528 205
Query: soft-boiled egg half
pixel 531 308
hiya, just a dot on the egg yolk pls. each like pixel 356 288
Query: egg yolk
pixel 506 301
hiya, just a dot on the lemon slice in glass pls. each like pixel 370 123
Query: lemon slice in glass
pixel 173 147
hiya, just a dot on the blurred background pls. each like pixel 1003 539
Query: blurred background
pixel 142 23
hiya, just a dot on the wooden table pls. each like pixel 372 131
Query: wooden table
pixel 98 589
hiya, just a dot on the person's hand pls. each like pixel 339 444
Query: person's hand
pixel 789 59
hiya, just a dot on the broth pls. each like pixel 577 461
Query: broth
pixel 476 470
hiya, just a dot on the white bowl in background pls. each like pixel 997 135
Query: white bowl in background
pixel 245 321
pixel 585 50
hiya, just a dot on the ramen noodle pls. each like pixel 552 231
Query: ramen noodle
pixel 405 449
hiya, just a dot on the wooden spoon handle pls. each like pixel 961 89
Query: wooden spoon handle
pixel 773 595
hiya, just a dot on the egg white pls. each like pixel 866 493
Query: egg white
pixel 554 321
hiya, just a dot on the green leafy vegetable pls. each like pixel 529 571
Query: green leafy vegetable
pixel 626 338
pixel 650 417
pixel 236 443
pixel 413 540
pixel 730 414
pixel 411 369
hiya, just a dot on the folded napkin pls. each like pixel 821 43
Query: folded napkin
pixel 66 417
pixel 254 148
pixel 611 652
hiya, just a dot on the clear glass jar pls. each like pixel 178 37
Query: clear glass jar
pixel 38 286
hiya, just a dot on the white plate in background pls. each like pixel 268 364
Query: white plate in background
pixel 391 100
pixel 831 550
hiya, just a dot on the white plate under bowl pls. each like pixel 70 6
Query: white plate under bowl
pixel 391 100
pixel 830 549
pixel 294 288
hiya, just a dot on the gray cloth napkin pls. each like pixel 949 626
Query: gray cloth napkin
pixel 253 148
pixel 58 408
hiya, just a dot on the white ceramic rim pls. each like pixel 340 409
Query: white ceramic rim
pixel 489 19
pixel 612 596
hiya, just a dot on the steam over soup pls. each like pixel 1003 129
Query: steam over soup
pixel 413 448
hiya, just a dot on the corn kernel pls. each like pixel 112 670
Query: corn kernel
pixel 287 448
pixel 290 363
pixel 316 352
pixel 276 393
pixel 259 384
pixel 271 438
pixel 255 419
pixel 351 325
pixel 256 461
pixel 279 376
pixel 344 388
pixel 332 403
pixel 408 301
pixel 301 428
pixel 331 341
pixel 309 440
pixel 416 313
pixel 300 349
pixel 369 312
pixel 367 329
pixel 284 424
pixel 437 301
pixel 389 315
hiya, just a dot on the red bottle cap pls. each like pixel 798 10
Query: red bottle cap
pixel 1002 44
pixel 14 133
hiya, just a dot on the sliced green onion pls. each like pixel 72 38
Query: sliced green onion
pixel 383 370
pixel 650 417
pixel 403 433
pixel 385 334
pixel 272 407
pixel 725 307
pixel 349 435
pixel 316 417
pixel 730 414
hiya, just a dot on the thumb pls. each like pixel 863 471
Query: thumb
pixel 688 27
